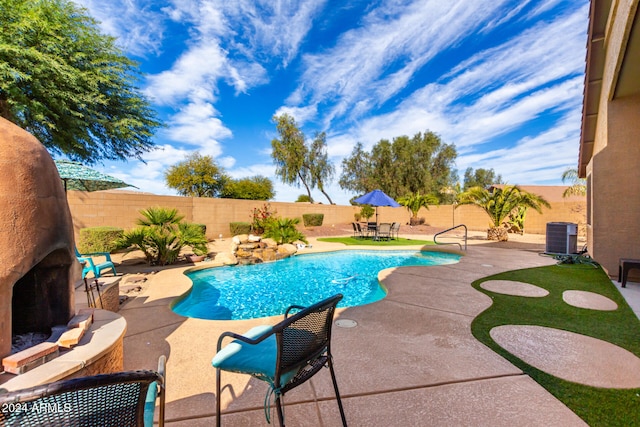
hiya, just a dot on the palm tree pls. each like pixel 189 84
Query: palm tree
pixel 578 185
pixel 161 235
pixel 414 201
pixel 498 203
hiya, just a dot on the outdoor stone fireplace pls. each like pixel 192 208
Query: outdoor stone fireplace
pixel 37 261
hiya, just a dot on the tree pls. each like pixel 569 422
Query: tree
pixel 253 188
pixel 499 203
pixel 357 171
pixel 197 176
pixel 578 185
pixel 289 153
pixel 321 169
pixel 403 166
pixel 414 201
pixel 69 85
pixel 484 178
pixel 303 198
pixel 296 163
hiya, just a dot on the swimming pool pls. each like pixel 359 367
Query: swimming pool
pixel 260 290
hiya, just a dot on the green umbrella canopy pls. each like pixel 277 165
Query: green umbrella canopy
pixel 76 176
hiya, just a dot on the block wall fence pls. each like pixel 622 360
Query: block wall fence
pixel 122 209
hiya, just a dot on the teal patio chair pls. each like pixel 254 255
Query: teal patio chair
pixel 89 266
pixel 284 355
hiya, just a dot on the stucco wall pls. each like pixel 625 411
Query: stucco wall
pixel 613 171
pixel 121 209
pixel 615 179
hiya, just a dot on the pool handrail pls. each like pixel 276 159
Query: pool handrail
pixel 452 243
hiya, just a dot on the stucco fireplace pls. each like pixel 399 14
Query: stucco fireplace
pixel 37 263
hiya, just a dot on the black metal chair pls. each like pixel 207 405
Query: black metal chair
pixel 395 230
pixel 118 399
pixel 357 231
pixel 285 355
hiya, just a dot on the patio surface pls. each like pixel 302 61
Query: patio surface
pixel 411 360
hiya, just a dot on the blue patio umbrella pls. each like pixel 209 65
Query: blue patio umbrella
pixel 377 198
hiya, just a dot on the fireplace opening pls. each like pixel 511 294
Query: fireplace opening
pixel 41 299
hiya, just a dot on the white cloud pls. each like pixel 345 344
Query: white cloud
pixel 360 71
pixel 300 114
pixel 136 25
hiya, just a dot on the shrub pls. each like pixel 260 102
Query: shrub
pixel 312 219
pixel 260 217
pixel 283 230
pixel 161 235
pixel 239 228
pixel 99 239
pixel 367 212
pixel 303 198
pixel 203 227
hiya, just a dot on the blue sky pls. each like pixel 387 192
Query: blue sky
pixel 502 80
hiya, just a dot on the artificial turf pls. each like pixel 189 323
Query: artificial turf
pixel 370 242
pixel 596 406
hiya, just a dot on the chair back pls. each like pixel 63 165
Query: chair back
pixel 101 400
pixel 384 228
pixel 304 336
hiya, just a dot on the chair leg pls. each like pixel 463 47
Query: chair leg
pixel 218 415
pixel 335 387
pixel 279 409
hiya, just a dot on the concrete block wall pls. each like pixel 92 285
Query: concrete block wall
pixel 122 209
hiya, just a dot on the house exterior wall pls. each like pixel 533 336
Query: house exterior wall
pixel 615 180
pixel 613 172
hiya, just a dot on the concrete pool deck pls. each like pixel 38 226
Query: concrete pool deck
pixel 410 360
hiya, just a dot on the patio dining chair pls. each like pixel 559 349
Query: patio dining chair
pixel 395 229
pixel 357 231
pixel 284 355
pixel 91 266
pixel 105 400
pixel 384 231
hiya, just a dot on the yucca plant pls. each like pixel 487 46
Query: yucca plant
pixel 499 203
pixel 283 230
pixel 161 235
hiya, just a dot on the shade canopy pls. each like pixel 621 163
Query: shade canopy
pixel 377 198
pixel 76 176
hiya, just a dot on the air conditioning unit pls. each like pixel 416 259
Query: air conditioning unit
pixel 562 238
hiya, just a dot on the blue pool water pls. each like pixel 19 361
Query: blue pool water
pixel 252 291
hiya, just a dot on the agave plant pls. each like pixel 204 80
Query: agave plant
pixel 499 203
pixel 161 235
pixel 283 230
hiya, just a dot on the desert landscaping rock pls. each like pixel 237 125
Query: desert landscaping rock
pixel 589 300
pixel 510 287
pixel 570 356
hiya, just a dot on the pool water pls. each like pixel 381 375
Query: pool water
pixel 260 290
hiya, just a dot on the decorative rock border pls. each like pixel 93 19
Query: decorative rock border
pixel 251 249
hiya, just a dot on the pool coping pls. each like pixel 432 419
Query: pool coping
pixel 410 356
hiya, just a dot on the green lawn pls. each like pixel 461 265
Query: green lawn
pixel 596 406
pixel 370 242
